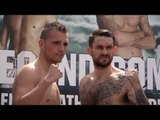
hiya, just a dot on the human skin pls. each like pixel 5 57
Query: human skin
pixel 132 33
pixel 23 31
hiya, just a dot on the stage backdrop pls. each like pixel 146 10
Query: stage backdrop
pixel 77 63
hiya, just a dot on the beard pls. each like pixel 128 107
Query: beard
pixel 104 63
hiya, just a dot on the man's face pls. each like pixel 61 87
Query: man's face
pixel 56 46
pixel 102 51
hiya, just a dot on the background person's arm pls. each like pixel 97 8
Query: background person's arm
pixel 123 38
pixel 148 41
pixel 4 35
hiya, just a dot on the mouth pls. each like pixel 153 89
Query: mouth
pixel 104 57
pixel 60 55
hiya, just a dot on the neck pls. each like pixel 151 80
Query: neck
pixel 103 73
pixel 43 63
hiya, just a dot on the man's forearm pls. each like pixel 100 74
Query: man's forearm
pixel 124 39
pixel 147 42
pixel 141 97
pixel 34 96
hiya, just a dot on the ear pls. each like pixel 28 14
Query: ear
pixel 89 50
pixel 115 49
pixel 41 42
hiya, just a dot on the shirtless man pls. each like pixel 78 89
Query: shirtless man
pixel 35 83
pixel 108 85
pixel 23 32
pixel 132 33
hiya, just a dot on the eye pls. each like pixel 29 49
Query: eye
pixel 56 42
pixel 65 44
pixel 99 47
pixel 109 47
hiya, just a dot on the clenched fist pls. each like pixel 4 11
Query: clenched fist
pixel 53 74
pixel 132 76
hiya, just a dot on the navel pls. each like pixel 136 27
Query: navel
pixel 34 26
pixel 47 100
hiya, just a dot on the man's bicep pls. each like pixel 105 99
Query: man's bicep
pixel 22 85
pixel 145 26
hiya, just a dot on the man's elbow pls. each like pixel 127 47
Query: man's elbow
pixel 16 102
pixel 153 45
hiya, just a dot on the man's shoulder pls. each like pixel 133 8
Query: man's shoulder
pixel 86 79
pixel 132 70
pixel 117 70
pixel 28 68
pixel 27 74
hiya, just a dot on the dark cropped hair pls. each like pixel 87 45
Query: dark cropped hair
pixel 52 26
pixel 100 32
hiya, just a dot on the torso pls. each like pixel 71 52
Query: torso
pixel 111 91
pixel 128 52
pixel 52 94
pixel 124 23
pixel 127 23
pixel 27 30
pixel 30 33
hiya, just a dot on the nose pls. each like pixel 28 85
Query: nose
pixel 62 48
pixel 104 51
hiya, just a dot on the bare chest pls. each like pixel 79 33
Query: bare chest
pixel 111 89
pixel 127 22
pixel 52 96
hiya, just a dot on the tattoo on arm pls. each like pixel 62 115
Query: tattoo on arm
pixel 141 98
pixel 132 98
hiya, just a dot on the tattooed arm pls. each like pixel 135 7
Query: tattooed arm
pixel 132 76
pixel 148 41
pixel 141 97
pixel 131 95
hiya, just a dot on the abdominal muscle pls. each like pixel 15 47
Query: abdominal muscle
pixel 128 52
pixel 52 96
pixel 115 101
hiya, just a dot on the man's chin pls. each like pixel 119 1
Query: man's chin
pixel 58 61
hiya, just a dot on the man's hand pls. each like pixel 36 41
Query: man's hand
pixel 53 74
pixel 132 76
